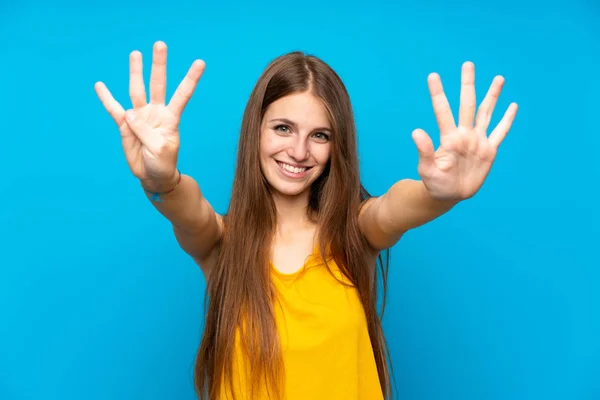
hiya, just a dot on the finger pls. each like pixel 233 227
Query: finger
pixel 468 105
pixel 139 127
pixel 158 75
pixel 186 88
pixel 499 133
pixel 137 91
pixel 424 148
pixel 115 110
pixel 441 108
pixel 486 109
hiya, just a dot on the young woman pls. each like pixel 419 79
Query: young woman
pixel 291 268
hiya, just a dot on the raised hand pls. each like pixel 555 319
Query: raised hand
pixel 150 131
pixel 458 168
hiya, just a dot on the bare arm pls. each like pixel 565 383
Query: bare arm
pixel 405 206
pixel 150 140
pixel 197 227
pixel 450 174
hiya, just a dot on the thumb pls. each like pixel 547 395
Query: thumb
pixel 138 126
pixel 424 147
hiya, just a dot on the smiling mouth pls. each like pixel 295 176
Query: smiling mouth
pixel 291 170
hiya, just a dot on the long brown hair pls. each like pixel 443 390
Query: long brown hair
pixel 239 291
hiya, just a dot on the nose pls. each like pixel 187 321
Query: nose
pixel 298 149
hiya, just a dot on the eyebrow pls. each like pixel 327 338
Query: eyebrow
pixel 293 124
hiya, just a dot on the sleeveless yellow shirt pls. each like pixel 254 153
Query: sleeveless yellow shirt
pixel 327 352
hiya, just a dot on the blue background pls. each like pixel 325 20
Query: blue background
pixel 498 299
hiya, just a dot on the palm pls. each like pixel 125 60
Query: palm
pixel 458 168
pixel 151 139
pixel 142 157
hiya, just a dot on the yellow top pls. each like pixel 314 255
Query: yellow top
pixel 325 343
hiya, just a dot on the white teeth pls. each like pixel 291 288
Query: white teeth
pixel 292 169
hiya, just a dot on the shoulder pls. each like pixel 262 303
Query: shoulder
pixel 365 205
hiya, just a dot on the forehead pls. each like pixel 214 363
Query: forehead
pixel 302 108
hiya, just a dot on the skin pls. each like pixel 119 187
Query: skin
pixel 295 130
pixel 453 173
pixel 450 174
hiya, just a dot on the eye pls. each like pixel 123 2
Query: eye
pixel 322 136
pixel 282 128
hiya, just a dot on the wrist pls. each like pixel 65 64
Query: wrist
pixel 441 203
pixel 161 186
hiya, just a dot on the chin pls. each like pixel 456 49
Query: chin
pixel 288 191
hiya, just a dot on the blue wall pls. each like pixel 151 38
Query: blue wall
pixel 498 299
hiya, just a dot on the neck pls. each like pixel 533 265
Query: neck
pixel 292 212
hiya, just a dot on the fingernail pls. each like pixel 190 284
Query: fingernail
pixel 130 115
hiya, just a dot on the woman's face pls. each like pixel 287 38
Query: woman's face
pixel 294 143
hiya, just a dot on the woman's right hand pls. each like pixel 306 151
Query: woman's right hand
pixel 150 132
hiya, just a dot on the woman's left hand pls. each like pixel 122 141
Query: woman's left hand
pixel 458 168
